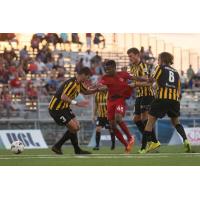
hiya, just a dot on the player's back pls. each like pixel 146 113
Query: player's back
pixel 168 82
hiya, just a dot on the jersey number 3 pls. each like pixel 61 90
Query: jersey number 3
pixel 171 77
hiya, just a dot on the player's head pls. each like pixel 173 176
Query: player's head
pixel 110 67
pixel 84 74
pixel 165 58
pixel 134 55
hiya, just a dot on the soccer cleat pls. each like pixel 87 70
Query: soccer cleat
pixel 153 146
pixel 142 151
pixel 130 145
pixel 96 148
pixel 57 150
pixel 187 146
pixel 80 151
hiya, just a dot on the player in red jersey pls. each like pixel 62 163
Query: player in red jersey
pixel 118 90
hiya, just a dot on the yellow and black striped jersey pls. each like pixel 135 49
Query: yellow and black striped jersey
pixel 140 70
pixel 101 103
pixel 167 82
pixel 71 88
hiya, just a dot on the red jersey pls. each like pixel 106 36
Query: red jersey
pixel 117 85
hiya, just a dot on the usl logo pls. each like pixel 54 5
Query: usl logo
pixel 26 138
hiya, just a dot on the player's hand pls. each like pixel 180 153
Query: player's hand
pixel 83 104
pixel 132 85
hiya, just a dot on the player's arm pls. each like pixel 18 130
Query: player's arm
pixel 67 99
pixel 140 84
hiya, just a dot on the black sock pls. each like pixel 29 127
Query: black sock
pixel 98 136
pixel 140 126
pixel 145 136
pixel 153 136
pixel 181 131
pixel 112 135
pixel 63 139
pixel 74 141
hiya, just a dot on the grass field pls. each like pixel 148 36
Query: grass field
pixel 166 156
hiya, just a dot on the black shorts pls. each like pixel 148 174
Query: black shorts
pixel 161 107
pixel 143 104
pixel 62 117
pixel 103 122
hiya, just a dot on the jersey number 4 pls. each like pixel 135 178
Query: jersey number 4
pixel 171 77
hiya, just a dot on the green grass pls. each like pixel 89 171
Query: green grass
pixel 167 156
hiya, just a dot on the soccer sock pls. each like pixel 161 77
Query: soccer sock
pixel 140 126
pixel 74 141
pixel 63 139
pixel 145 137
pixel 112 135
pixel 98 136
pixel 125 129
pixel 120 136
pixel 181 131
pixel 153 134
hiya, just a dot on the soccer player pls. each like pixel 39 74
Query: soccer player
pixel 144 96
pixel 118 90
pixel 60 111
pixel 102 121
pixel 166 100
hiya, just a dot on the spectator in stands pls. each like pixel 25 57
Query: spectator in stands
pixel 64 38
pixel 60 61
pixel 52 38
pixel 79 65
pixel 88 40
pixel 183 80
pixel 98 39
pixel 4 73
pixel 23 53
pixel 87 58
pixel 52 84
pixel 35 42
pixel 31 91
pixel 32 67
pixel 190 75
pixel 76 40
pixel 41 66
pixel 149 52
pixel 142 54
pixel 96 60
pixel 50 63
pixel 16 84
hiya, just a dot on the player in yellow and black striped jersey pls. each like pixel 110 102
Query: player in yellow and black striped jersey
pixel 144 93
pixel 102 121
pixel 167 98
pixel 60 111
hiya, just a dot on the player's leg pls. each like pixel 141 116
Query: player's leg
pixel 111 109
pixel 179 127
pixel 174 113
pixel 145 107
pixel 112 135
pixel 73 127
pixel 117 133
pixel 97 137
pixel 147 132
pixel 137 116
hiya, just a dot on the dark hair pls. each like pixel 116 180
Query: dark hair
pixel 86 71
pixel 133 50
pixel 166 58
pixel 111 63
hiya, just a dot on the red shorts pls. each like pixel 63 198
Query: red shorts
pixel 115 107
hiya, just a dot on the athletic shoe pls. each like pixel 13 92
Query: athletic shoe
pixel 187 146
pixel 80 151
pixel 96 148
pixel 130 144
pixel 153 146
pixel 57 150
pixel 142 151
